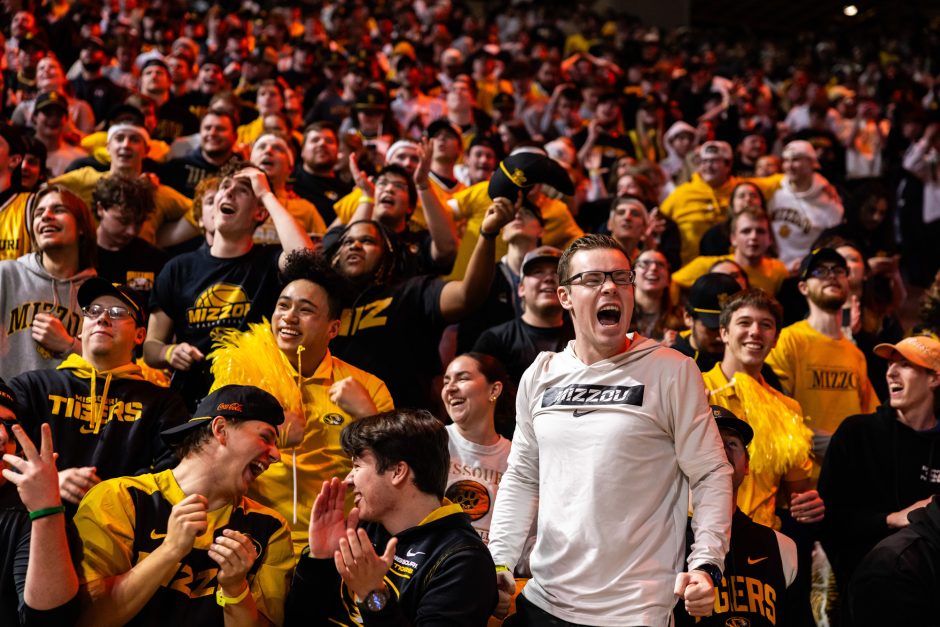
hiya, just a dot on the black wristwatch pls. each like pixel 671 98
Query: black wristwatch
pixel 488 234
pixel 712 571
pixel 376 600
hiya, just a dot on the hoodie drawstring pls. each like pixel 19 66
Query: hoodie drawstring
pixel 97 409
pixel 293 451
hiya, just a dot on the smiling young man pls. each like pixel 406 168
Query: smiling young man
pixel 611 522
pixel 105 417
pixel 186 546
pixel 40 317
pixel 881 466
pixel 229 284
pixel 216 149
pixel 780 475
pixel 334 393
pixel 416 560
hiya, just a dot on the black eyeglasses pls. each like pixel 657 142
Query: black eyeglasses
pixel 115 312
pixel 596 278
pixel 822 272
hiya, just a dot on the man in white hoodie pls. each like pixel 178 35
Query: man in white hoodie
pixel 610 435
pixel 803 205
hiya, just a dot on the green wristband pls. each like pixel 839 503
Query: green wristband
pixel 46 511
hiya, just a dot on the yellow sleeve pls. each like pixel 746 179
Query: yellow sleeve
pixel 270 583
pixel 171 206
pixel 380 395
pixel 345 207
pixel 767 184
pixel 685 276
pixel 105 523
pixel 81 182
pixel 780 360
pixel 560 226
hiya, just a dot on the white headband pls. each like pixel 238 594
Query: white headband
pixel 127 126
pixel 280 140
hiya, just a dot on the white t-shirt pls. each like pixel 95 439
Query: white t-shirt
pixel 475 471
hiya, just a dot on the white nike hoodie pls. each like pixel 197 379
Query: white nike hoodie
pixel 606 454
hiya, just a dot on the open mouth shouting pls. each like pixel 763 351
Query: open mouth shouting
pixel 609 315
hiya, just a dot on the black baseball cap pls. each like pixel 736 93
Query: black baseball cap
pixel 708 296
pixel 520 171
pixel 156 61
pixel 96 287
pixel 726 419
pixel 14 139
pixel 246 402
pixel 51 99
pixel 819 256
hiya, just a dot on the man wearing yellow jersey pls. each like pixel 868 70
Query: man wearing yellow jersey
pixel 749 326
pixel 334 392
pixel 817 365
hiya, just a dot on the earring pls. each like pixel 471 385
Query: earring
pixel 493 399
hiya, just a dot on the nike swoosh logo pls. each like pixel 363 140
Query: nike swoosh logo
pixel 411 553
pixel 751 562
pixel 156 536
pixel 581 412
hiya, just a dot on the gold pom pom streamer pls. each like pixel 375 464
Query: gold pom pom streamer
pixel 252 357
pixel 781 440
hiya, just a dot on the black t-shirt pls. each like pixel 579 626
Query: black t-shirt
pixel 393 332
pixel 174 119
pixel 101 93
pixel 613 146
pixel 516 343
pixel 136 265
pixel 501 305
pixel 184 173
pixel 196 102
pixel 201 293
pixel 322 191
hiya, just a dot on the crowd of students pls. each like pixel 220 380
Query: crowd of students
pixel 247 249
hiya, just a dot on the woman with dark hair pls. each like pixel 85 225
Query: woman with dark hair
pixel 32 171
pixel 653 313
pixel 40 312
pixel 476 388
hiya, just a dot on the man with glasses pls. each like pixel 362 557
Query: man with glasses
pixel 817 365
pixel 610 435
pixel 105 417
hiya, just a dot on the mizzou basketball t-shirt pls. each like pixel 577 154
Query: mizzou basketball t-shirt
pixel 473 478
pixel 202 293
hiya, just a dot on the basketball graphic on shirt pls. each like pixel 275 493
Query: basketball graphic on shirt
pixel 473 497
pixel 222 301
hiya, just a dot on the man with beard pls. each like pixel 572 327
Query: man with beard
pixel 216 149
pixel 817 365
pixel 315 177
pixel 91 86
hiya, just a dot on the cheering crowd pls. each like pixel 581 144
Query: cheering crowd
pixel 410 315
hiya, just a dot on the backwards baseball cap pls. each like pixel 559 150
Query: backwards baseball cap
pixel 921 350
pixel 716 150
pixel 726 419
pixel 801 148
pixel 400 145
pixel 520 171
pixel 708 295
pixel 97 287
pixel 542 253
pixel 819 256
pixel 51 100
pixel 245 402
